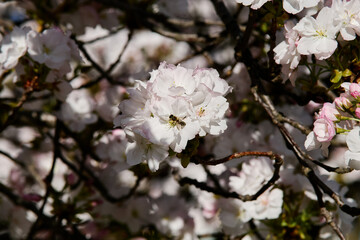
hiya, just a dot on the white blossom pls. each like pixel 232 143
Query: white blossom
pixel 347 14
pixel 253 175
pixel 139 149
pixel 234 214
pixel 77 110
pixel 311 143
pixel 286 52
pixel 12 47
pixel 50 47
pixel 318 35
pixel 170 109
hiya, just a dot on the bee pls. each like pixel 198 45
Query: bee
pixel 175 121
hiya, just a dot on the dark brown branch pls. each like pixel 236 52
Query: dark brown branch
pixel 111 33
pixel 325 212
pixel 305 130
pixel 17 200
pixel 255 230
pixel 112 66
pixel 219 191
pixel 88 176
pixel 242 52
pixel 48 179
pixel 267 104
pixel 13 114
pixel 89 58
pixel 21 164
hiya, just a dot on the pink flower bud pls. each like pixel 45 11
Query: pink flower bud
pixel 329 112
pixel 343 101
pixel 33 197
pixel 357 112
pixel 324 130
pixel 71 179
pixel 355 90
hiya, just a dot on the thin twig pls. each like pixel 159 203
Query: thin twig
pixel 88 176
pixel 80 44
pixel 325 212
pixel 13 115
pixel 48 179
pixel 254 229
pixel 111 33
pixel 112 66
pixel 17 200
pixel 300 155
pixel 219 191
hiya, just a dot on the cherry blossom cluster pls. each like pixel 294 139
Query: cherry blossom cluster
pixel 235 213
pixel 341 116
pixel 317 35
pixel 42 57
pixel 170 109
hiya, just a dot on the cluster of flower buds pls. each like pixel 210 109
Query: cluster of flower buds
pixel 341 116
pixel 170 109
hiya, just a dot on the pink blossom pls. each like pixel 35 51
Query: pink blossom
pixel 355 90
pixel 357 112
pixel 324 129
pixel 343 102
pixel 329 112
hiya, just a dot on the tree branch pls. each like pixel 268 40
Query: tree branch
pixel 218 191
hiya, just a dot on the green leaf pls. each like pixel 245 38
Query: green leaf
pixel 336 76
pixel 347 73
pixel 335 85
pixel 185 161
pixel 188 152
pixel 4 113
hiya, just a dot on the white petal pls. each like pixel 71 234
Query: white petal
pixel 352 160
pixel 134 153
pixel 311 142
pixel 353 140
pixel 292 6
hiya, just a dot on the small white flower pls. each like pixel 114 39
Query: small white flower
pixel 252 177
pixel 318 35
pixel 234 214
pixel 311 143
pixel 140 149
pixel 77 110
pixel 347 14
pixel 170 80
pixel 254 174
pixel 12 47
pixel 51 48
pixel 268 205
pixel 286 52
